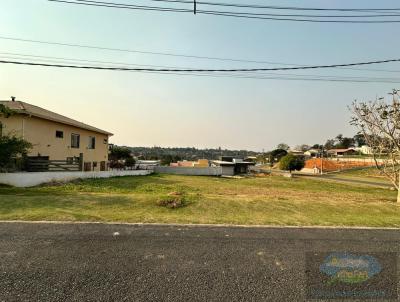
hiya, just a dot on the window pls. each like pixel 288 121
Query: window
pixel 92 142
pixel 75 140
pixel 59 134
pixel 95 164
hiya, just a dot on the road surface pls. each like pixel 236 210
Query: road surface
pixel 356 181
pixel 111 262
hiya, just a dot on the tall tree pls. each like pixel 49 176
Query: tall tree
pixel 379 122
pixel 359 140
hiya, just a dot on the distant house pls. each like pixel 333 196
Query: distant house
pixel 56 137
pixel 232 166
pixel 342 152
pixel 365 150
pixel 312 153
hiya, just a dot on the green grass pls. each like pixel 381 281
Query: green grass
pixel 272 200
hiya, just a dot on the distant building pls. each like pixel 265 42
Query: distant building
pixel 312 153
pixel 367 150
pixel 232 166
pixel 201 163
pixel 342 152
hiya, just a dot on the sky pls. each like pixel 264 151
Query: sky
pixel 143 109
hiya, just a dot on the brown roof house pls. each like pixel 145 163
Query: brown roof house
pixel 342 152
pixel 56 137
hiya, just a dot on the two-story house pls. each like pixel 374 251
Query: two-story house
pixel 56 137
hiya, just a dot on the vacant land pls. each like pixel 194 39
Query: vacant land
pixel 271 200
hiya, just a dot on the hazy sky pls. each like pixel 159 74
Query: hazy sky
pixel 171 110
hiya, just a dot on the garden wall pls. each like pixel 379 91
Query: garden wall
pixel 31 179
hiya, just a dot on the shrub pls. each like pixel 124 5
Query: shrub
pixel 12 151
pixel 116 165
pixel 173 200
pixel 130 162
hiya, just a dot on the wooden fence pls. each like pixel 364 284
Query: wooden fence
pixel 44 165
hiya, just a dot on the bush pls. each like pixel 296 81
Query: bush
pixel 116 165
pixel 130 162
pixel 291 162
pixel 174 200
pixel 12 152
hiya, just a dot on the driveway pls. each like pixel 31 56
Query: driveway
pixel 111 262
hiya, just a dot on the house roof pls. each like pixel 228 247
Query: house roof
pixel 25 108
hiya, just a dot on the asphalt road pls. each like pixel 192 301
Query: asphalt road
pixel 100 262
pixel 357 181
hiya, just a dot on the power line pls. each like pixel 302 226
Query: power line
pixel 215 13
pixel 277 7
pixel 137 51
pixel 174 54
pixel 123 5
pixel 202 70
pixel 58 59
pixel 242 76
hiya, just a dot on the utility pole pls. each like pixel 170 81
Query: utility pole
pixel 322 159
pixel 194 6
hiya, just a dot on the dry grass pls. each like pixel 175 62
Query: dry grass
pixel 268 200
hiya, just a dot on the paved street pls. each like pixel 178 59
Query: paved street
pixel 97 262
pixel 356 181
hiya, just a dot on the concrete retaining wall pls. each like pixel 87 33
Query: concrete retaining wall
pixel 31 179
pixel 206 171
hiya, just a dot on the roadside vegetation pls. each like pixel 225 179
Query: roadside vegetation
pixel 270 200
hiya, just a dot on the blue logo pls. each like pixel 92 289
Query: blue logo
pixel 349 268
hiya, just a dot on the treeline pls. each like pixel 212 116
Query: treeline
pixel 172 154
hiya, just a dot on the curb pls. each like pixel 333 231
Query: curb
pixel 322 227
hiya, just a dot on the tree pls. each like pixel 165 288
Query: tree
pixel 291 162
pixel 339 138
pixel 12 147
pixel 283 146
pixel 317 146
pixel 379 122
pixel 346 142
pixel 118 153
pixel 359 140
pixel 276 155
pixel 330 144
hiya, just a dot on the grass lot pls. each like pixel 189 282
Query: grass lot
pixel 270 200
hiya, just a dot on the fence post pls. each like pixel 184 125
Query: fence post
pixel 80 161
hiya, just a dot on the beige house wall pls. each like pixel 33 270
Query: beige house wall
pixel 42 134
